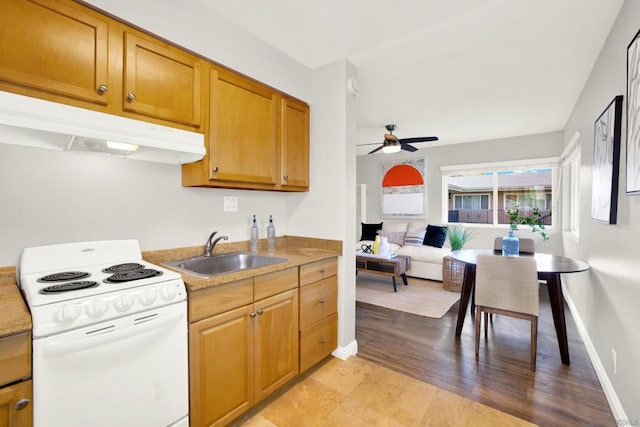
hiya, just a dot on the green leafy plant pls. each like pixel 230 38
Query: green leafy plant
pixel 458 236
pixel 534 220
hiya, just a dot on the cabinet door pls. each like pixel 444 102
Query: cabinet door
pixel 54 46
pixel 161 81
pixel 221 367
pixel 276 342
pixel 242 140
pixel 15 405
pixel 295 144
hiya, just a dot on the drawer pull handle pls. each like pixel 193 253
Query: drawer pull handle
pixel 102 89
pixel 253 314
pixel 322 301
pixel 21 404
pixel 260 312
pixel 321 340
pixel 322 270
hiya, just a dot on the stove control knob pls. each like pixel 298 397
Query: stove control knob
pixel 67 314
pixel 148 296
pixel 96 308
pixel 168 292
pixel 124 302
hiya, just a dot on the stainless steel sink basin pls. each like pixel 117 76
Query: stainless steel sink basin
pixel 207 266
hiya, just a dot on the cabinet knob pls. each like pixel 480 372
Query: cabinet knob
pixel 322 270
pixel 215 169
pixel 21 404
pixel 322 341
pixel 286 177
pixel 102 89
pixel 253 314
pixel 260 312
pixel 131 96
pixel 322 301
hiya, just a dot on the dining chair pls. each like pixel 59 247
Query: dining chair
pixel 507 286
pixel 527 246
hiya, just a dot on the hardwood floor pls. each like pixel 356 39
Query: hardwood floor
pixel 426 349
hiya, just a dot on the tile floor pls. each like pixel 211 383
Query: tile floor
pixel 357 392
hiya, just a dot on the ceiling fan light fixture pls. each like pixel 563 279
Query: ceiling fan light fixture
pixel 391 148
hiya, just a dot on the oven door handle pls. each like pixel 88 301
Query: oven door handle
pixel 109 336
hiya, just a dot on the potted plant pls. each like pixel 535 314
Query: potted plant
pixel 510 243
pixel 458 236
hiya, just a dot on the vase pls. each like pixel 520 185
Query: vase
pixel 383 247
pixel 510 244
pixel 376 243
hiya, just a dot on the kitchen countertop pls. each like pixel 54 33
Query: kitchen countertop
pixel 298 251
pixel 14 318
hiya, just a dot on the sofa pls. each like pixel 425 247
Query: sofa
pixel 425 244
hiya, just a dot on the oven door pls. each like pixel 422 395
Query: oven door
pixel 131 371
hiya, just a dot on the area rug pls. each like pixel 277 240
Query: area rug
pixel 421 297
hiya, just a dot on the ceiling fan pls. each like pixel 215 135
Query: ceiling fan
pixel 392 144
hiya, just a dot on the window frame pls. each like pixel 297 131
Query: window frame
pixel 475 194
pixel 570 171
pixel 552 163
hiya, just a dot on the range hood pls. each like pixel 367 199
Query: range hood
pixel 38 123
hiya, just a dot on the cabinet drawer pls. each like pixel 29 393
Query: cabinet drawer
pixel 15 358
pixel 219 299
pixel 318 341
pixel 318 270
pixel 318 300
pixel 274 283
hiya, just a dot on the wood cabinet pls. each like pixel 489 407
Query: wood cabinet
pixel 240 354
pixel 257 137
pixel 15 384
pixel 161 81
pixel 318 311
pixel 65 52
pixel 54 47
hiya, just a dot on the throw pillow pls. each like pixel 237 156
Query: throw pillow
pixel 415 238
pixel 435 235
pixel 369 231
pixel 396 237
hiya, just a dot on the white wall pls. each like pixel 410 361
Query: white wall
pixel 607 297
pixel 517 148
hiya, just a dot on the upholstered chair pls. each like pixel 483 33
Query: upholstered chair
pixel 527 246
pixel 508 286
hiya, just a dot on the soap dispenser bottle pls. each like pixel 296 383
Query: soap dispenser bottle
pixel 271 236
pixel 254 235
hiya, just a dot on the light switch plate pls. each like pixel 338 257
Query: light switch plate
pixel 230 204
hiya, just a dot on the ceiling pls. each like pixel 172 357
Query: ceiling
pixel 464 70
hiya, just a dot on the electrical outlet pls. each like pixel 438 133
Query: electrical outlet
pixel 230 204
pixel 614 361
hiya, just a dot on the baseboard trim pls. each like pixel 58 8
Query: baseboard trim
pixel 344 352
pixel 610 393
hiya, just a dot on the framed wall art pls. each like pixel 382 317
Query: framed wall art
pixel 606 163
pixel 633 115
pixel 403 189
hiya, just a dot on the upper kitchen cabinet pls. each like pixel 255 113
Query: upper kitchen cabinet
pixel 56 48
pixel 242 130
pixel 258 138
pixel 161 81
pixel 295 145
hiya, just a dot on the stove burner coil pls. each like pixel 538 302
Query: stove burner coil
pixel 123 268
pixel 64 276
pixel 145 273
pixel 70 286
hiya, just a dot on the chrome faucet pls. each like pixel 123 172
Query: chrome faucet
pixel 211 243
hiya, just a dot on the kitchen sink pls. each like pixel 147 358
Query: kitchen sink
pixel 208 266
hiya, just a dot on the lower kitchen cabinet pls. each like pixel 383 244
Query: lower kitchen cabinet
pixel 15 405
pixel 16 409
pixel 240 356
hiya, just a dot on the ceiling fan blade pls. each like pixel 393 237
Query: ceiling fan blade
pixel 373 143
pixel 418 139
pixel 377 149
pixel 407 147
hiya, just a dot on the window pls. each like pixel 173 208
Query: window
pixel 482 194
pixel 570 187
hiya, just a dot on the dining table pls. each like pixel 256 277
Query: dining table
pixel 550 268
